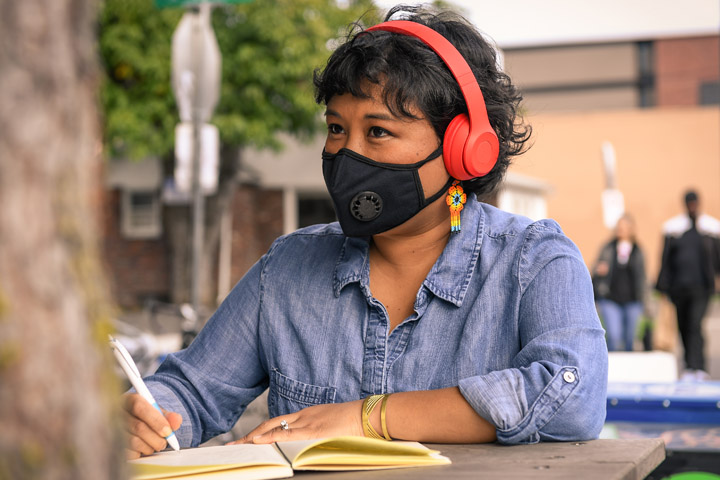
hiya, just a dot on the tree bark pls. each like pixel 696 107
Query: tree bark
pixel 58 395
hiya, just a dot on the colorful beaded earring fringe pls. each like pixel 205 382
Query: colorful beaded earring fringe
pixel 455 199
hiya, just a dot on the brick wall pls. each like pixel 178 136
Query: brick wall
pixel 257 221
pixel 682 65
pixel 141 269
pixel 137 269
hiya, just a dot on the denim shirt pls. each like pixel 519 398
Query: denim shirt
pixel 506 313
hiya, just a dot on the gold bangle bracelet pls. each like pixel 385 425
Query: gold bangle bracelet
pixel 368 406
pixel 383 423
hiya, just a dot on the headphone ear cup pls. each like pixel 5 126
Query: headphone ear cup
pixel 469 154
pixel 454 140
pixel 481 152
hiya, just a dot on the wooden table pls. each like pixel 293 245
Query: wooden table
pixel 593 460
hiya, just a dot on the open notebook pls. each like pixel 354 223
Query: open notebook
pixel 249 462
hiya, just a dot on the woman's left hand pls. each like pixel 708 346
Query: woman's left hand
pixel 318 421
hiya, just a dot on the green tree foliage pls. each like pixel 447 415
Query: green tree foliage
pixel 269 51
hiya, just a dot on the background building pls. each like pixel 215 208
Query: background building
pixel 654 97
pixel 657 101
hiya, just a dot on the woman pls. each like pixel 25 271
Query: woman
pixel 486 333
pixel 619 281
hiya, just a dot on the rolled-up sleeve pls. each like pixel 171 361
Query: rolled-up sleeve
pixel 555 388
pixel 212 381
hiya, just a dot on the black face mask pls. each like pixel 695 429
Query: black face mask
pixel 371 197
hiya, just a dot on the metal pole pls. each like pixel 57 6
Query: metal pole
pixel 198 215
pixel 198 204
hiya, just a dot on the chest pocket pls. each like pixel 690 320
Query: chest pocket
pixel 288 395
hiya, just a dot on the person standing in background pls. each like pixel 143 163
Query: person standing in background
pixel 688 273
pixel 619 283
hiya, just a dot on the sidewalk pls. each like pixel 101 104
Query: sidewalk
pixel 666 337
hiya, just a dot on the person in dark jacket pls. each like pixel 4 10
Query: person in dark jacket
pixel 688 273
pixel 619 283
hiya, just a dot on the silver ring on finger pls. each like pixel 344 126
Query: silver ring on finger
pixel 284 425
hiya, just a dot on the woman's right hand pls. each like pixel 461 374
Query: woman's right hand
pixel 147 426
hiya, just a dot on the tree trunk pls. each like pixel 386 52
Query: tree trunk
pixel 58 397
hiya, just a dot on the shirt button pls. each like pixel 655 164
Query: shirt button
pixel 569 377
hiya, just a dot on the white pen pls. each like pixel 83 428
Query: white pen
pixel 128 365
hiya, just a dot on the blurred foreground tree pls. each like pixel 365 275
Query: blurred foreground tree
pixel 269 51
pixel 56 388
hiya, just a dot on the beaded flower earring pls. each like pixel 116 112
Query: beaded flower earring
pixel 455 199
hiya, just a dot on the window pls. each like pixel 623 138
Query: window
pixel 305 208
pixel 710 93
pixel 584 76
pixel 140 214
pixel 524 195
pixel 314 209
pixel 646 76
pixel 523 202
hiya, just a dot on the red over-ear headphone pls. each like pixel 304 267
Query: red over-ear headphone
pixel 470 145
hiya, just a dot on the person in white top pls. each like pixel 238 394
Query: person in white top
pixel 689 276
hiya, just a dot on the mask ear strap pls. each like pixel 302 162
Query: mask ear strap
pixel 440 192
pixel 435 154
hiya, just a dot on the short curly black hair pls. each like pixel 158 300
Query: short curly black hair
pixel 412 75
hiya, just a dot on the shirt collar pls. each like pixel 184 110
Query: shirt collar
pixel 448 279
pixel 352 259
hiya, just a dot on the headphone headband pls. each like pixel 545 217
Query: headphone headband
pixel 455 62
